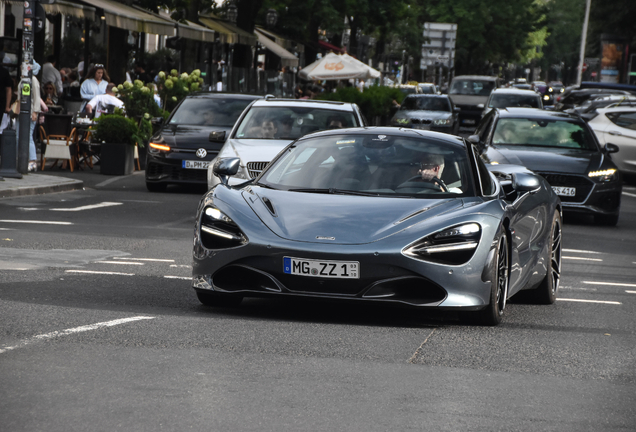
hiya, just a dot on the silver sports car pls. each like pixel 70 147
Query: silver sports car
pixel 390 215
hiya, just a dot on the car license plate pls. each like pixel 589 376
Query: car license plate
pixel 564 191
pixel 324 269
pixel 192 164
pixel 469 121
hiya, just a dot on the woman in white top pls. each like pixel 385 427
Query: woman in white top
pixel 95 83
pixel 35 111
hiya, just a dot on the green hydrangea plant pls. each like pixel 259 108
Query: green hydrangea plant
pixel 173 87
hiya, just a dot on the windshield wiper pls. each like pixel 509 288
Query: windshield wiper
pixel 335 191
pixel 263 185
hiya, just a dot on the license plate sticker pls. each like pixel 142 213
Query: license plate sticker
pixel 321 268
pixel 564 191
pixel 193 164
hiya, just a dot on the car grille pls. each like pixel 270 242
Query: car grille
pixel 421 121
pixel 256 168
pixel 176 173
pixel 582 184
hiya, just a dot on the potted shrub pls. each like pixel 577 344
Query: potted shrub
pixel 118 136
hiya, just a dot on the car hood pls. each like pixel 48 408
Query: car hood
pixel 340 219
pixel 423 114
pixel 190 136
pixel 468 99
pixel 253 150
pixel 562 160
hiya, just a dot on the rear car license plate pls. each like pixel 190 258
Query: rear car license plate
pixel 192 164
pixel 564 191
pixel 324 269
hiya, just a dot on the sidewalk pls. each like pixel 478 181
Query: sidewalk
pixel 36 183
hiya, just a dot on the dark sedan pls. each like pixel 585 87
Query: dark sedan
pixel 563 149
pixel 181 151
pixel 428 112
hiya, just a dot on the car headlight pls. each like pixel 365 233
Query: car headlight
pixel 603 175
pixel 155 147
pixel 402 121
pixel 218 231
pixel 546 97
pixel 454 246
pixel 442 122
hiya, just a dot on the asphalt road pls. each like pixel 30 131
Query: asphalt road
pixel 101 331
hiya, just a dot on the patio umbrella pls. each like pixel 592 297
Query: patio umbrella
pixel 337 67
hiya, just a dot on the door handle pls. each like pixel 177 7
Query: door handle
pixel 615 133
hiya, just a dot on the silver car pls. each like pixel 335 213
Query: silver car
pixel 268 125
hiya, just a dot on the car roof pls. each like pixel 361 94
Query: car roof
pixel 218 95
pixel 308 103
pixel 427 95
pixel 535 113
pixel 451 140
pixel 517 91
pixel 477 77
pixel 617 108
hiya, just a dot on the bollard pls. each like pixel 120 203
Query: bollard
pixel 8 153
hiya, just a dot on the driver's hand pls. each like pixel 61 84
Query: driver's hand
pixel 427 174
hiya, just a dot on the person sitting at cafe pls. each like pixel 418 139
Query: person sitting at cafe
pixel 100 103
pixel 49 94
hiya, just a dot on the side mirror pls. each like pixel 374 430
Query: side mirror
pixel 611 148
pixel 158 121
pixel 480 106
pixel 523 182
pixel 474 139
pixel 217 136
pixel 456 109
pixel 225 168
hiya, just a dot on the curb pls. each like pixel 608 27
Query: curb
pixel 13 188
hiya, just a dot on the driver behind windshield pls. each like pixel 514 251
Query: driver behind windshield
pixel 431 166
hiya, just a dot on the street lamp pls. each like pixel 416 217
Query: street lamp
pixel 271 18
pixel 232 12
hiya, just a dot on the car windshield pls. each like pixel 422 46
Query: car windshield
pixel 378 165
pixel 472 87
pixel 209 111
pixel 425 103
pixel 543 133
pixel 427 89
pixel 290 123
pixel 408 90
pixel 512 100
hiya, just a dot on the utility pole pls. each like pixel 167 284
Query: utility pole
pixel 579 76
pixel 28 31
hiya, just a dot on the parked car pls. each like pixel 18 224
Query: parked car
pixel 353 215
pixel 560 147
pixel 512 97
pixel 468 92
pixel 427 111
pixel 617 125
pixel 179 153
pixel 270 124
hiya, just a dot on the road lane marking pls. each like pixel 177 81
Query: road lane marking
pixel 629 194
pixel 582 258
pixel 109 181
pixel 89 207
pixel 581 251
pixel 100 272
pixel 120 262
pixel 74 330
pixel 577 289
pixel 610 284
pixel 590 301
pixel 180 266
pixel 143 259
pixel 36 222
pixel 630 292
pixel 179 277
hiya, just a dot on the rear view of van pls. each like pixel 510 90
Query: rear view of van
pixel 470 93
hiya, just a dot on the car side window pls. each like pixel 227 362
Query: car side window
pixel 624 119
pixel 487 185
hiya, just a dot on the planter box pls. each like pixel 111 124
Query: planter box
pixel 117 159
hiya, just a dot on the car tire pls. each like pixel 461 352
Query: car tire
pixel 492 314
pixel 211 299
pixel 156 187
pixel 607 220
pixel 547 290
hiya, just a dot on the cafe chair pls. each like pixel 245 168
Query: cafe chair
pixel 59 139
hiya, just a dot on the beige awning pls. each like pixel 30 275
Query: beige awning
pixel 287 58
pixel 288 44
pixel 228 33
pixel 67 8
pixel 195 31
pixel 129 18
